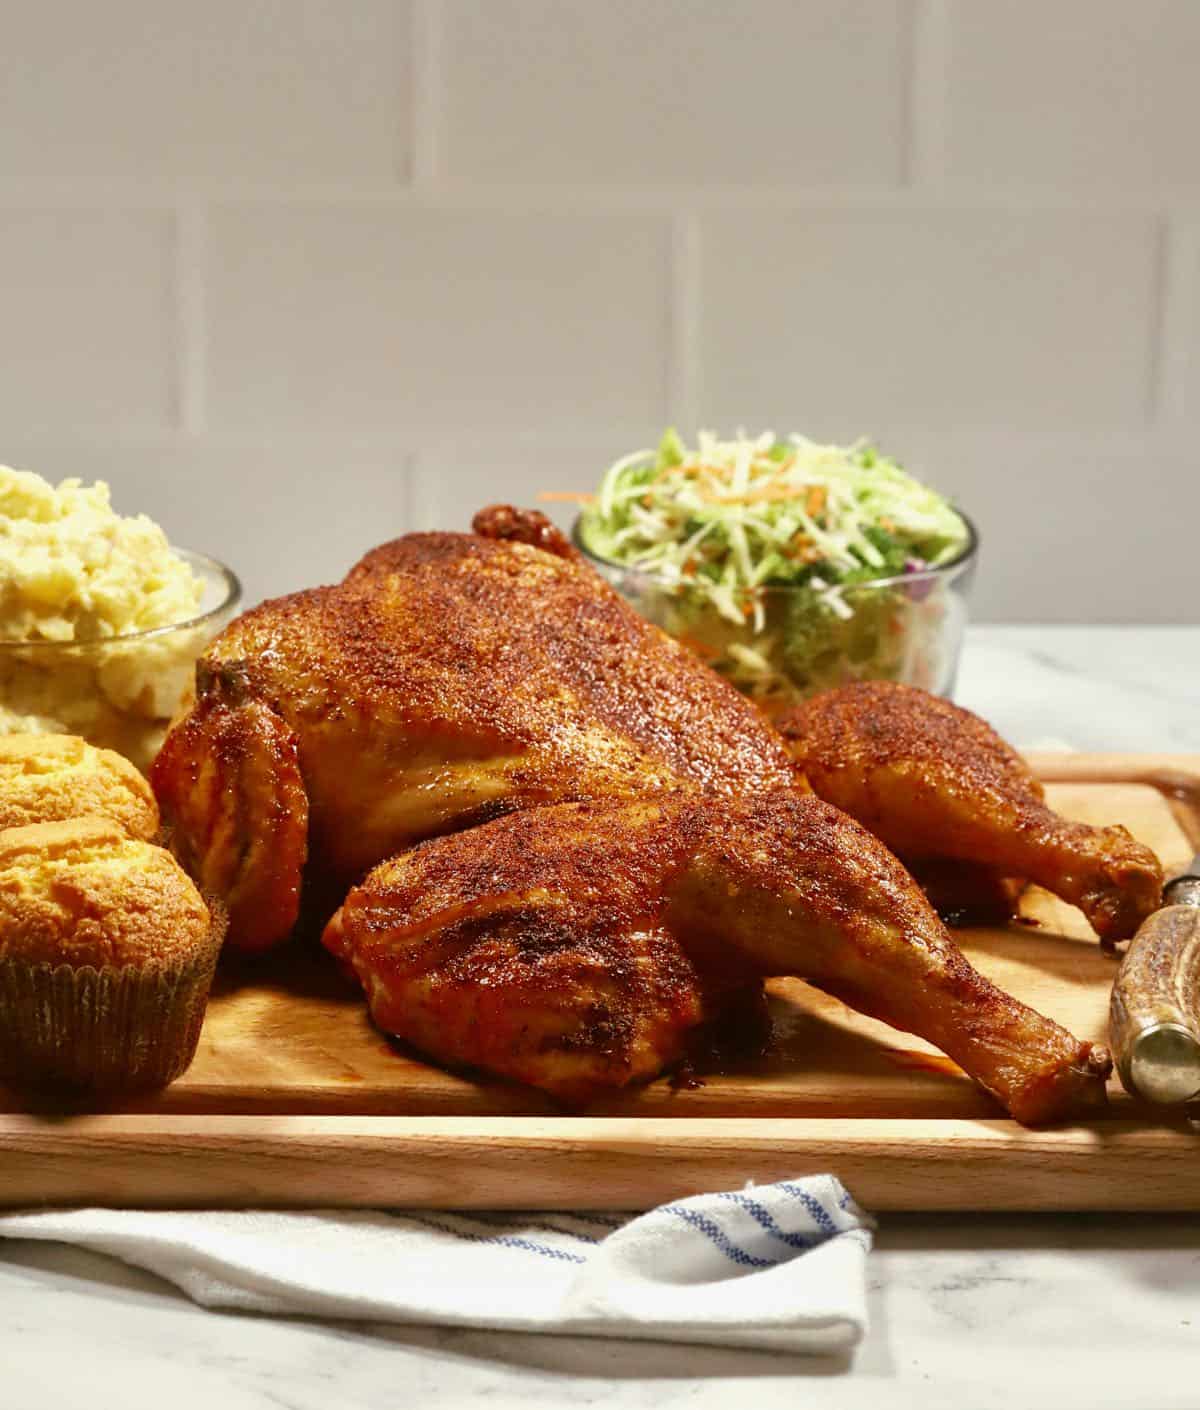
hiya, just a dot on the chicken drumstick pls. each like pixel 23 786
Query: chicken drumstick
pixel 575 947
pixel 933 781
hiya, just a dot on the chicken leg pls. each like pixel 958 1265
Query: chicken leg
pixel 933 781
pixel 575 947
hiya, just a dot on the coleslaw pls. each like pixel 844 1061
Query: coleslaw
pixel 788 564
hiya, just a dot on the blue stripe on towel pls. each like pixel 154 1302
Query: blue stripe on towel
pixel 719 1238
pixel 544 1223
pixel 539 1222
pixel 503 1240
pixel 820 1214
pixel 605 1221
pixel 762 1215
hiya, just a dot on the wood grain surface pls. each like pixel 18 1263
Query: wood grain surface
pixel 498 1162
pixel 295 1098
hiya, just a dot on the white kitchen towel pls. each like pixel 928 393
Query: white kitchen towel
pixel 778 1266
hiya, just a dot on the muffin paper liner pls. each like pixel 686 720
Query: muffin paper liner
pixel 104 1029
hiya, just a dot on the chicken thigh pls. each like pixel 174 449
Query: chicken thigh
pixel 576 948
pixel 934 782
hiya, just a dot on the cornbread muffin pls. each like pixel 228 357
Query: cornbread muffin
pixel 107 952
pixel 52 777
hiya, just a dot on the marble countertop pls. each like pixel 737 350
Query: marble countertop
pixel 976 1310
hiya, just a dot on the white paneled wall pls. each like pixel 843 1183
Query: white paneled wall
pixel 400 318
pixel 196 94
pixel 671 91
pixel 295 276
pixel 88 320
pixel 942 317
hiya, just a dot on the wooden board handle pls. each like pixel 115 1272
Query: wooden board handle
pixel 1154 1016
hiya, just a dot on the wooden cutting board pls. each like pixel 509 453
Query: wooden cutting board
pixel 294 1098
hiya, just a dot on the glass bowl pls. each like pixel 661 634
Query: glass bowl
pixel 119 692
pixel 792 644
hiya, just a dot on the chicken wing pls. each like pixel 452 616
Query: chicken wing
pixel 933 781
pixel 239 809
pixel 576 947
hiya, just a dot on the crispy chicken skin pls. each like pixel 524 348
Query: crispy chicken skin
pixel 451 678
pixel 239 807
pixel 575 947
pixel 615 847
pixel 934 782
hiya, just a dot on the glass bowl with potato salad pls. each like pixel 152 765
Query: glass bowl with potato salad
pixel 101 619
pixel 789 566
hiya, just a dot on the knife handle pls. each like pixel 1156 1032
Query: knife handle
pixel 1154 1016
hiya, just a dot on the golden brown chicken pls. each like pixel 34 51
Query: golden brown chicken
pixel 454 679
pixel 576 948
pixel 450 679
pixel 935 783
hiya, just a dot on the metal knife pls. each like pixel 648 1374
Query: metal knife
pixel 1154 1017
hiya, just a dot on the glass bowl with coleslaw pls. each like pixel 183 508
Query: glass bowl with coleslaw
pixel 787 565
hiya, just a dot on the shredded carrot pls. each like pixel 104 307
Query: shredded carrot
pixel 684 470
pixel 565 497
pixel 802 547
pixel 767 494
pixel 814 500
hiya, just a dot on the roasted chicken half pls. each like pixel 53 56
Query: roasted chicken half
pixel 633 846
pixel 939 786
pixel 577 947
pixel 449 679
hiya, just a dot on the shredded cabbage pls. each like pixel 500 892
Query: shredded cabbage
pixel 722 524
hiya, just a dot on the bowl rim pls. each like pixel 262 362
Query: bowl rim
pixel 961 560
pixel 230 598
